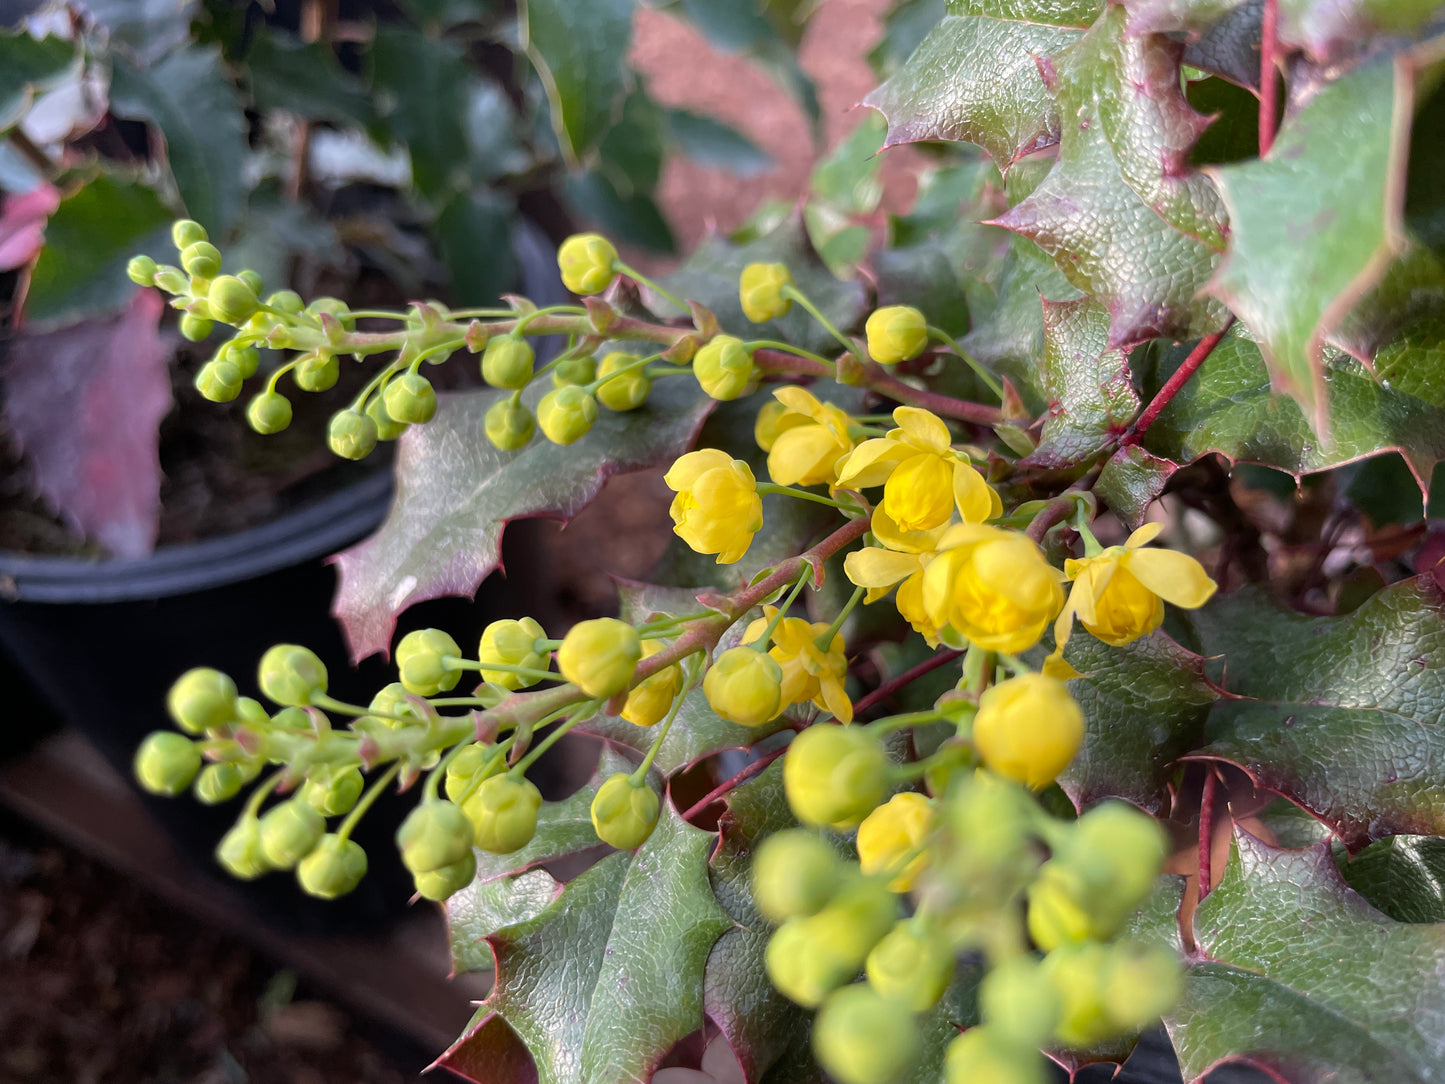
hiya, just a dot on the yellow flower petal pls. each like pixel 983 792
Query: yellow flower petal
pixel 872 462
pixel 688 468
pixel 919 494
pixel 923 428
pixel 799 399
pixel 975 498
pixel 1143 536
pixel 1173 576
pixel 875 567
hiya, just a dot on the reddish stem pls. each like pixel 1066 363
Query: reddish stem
pixel 1206 832
pixel 1268 77
pixel 726 787
pixel 1171 386
pixel 892 685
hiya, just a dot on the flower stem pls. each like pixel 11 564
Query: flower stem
pixel 792 293
pixel 640 775
pixel 825 641
pixel 367 800
pixel 638 276
pixel 802 494
pixel 983 374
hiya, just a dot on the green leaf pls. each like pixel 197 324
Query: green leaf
pixel 1155 16
pixel 922 276
pixel 1357 743
pixel 484 906
pixel 1404 876
pixel 710 142
pixel 455 493
pixel 1121 212
pixel 904 28
pixel 602 983
pixel 1329 30
pixel 303 79
pixel 1230 48
pixel 29 67
pixel 635 217
pixel 88 241
pixel 189 98
pixel 975 77
pixel 1131 481
pixel 473 232
pixel 631 152
pixel 147 29
pixel 421 88
pixel 579 51
pixel 848 177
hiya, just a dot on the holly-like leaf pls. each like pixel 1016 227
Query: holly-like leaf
pixel 476 222
pixel 484 906
pixel 1230 47
pixel 189 99
pixel 602 983
pixel 579 51
pixel 28 67
pixel 456 492
pixel 1341 715
pixel 1090 391
pixel 84 403
pixel 1121 212
pixel 1131 481
pixel 1329 29
pixel 421 86
pixel 304 79
pixel 975 77
pixel 1404 876
pixel 1294 973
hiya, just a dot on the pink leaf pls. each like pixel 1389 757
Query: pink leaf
pixel 22 225
pixel 85 404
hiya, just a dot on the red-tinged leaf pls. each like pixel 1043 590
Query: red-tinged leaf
pixel 85 404
pixel 22 225
pixel 1131 481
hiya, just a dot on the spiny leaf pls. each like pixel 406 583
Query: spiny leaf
pixel 455 493
pixel 1131 481
pixel 483 906
pixel 304 79
pixel 578 50
pixel 1121 212
pixel 602 983
pixel 1404 876
pixel 975 77
pixel 1342 715
pixel 29 67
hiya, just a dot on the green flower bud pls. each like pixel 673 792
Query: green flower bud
pixel 624 813
pixel 219 381
pixel 351 434
pixel 166 762
pixel 392 700
pixel 1143 983
pixel 566 414
pixel 856 919
pixel 171 279
pixel 198 306
pixel 186 232
pixel 196 329
pixel 503 813
pixel 317 372
pixel 419 659
pixel 231 299
pixel 1078 974
pixel 240 852
pixel 979 1055
pixel 1118 850
pixel 913 965
pixel 724 368
pixel 387 427
pixel 585 260
pixel 1018 1002
pixel 269 412
pixel 202 259
pixel 251 712
pixel 896 333
pixel 329 306
pixel 512 643
pixel 439 884
pixel 834 776
pixel 803 966
pixel 467 769
pixel 410 398
pixel 1057 914
pixel 760 289
pixel 625 392
pixel 509 425
pixel 247 359
pixel 795 873
pixel 333 869
pixel 574 371
pixel 336 794
pixel 861 1038
pixel 219 783
pixel 507 362
pixel 289 832
pixel 287 301
pixel 202 699
pixel 600 656
pixel 744 686
pixel 290 674
pixel 434 834
pixel 253 280
pixel 142 270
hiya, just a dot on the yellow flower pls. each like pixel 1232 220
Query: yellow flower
pixel 878 569
pixel 652 697
pixel 896 333
pixel 717 508
pixel 760 290
pixel 809 673
pixel 585 260
pixel 806 451
pixel 923 478
pixel 1028 728
pixel 1119 594
pixel 744 686
pixel 992 587
pixel 893 832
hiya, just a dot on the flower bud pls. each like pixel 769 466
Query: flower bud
pixel 585 260
pixel 893 833
pixel 390 705
pixel 625 392
pixel 419 659
pixel 507 362
pixel 1143 983
pixel 202 699
pixel 804 966
pixel 290 831
pixel 269 412
pixel 1019 1003
pixel 724 368
pixel 770 423
pixel 744 686
pixel 171 279
pixel 512 643
pixel 467 770
pixel 336 794
pixel 651 699
pixel 600 656
pixel 186 232
pixel 317 372
pixel 896 333
pixel 231 299
pixel 333 869
pixel 219 381
pixel 1057 912
pixel 252 279
pixel 141 270
pixel 581 370
pixel 509 425
pixel 240 853
pixel 795 873
pixel 624 813
pixel 434 834
pixel 287 301
pixel 912 965
pixel 410 398
pixel 202 259
pixel 439 884
pixel 503 813
pixel 862 1038
pixel 196 329
pixel 566 414
pixel 1028 728
pixel 760 289
pixel 387 427
pixel 979 1055
pixel 1078 973
pixel 1118 849
pixel 247 359
pixel 834 776
pixel 290 674
pixel 166 762
pixel 855 920
pixel 219 783
pixel 351 434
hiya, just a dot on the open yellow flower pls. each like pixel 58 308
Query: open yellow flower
pixel 812 437
pixel 900 560
pixel 992 587
pixel 717 508
pixel 923 478
pixel 809 672
pixel 1119 594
